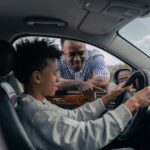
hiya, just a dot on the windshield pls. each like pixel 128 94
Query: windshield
pixel 138 33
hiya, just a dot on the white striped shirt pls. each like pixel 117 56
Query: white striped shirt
pixel 94 66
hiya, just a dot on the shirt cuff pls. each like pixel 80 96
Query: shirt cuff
pixel 99 106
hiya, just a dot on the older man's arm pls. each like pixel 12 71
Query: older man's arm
pixel 67 84
pixel 100 74
pixel 85 88
pixel 101 82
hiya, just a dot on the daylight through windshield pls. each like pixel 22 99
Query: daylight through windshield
pixel 138 33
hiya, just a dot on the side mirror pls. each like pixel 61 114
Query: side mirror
pixel 122 75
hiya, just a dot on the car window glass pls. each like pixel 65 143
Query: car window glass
pixel 112 62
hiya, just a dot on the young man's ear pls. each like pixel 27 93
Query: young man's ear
pixel 36 77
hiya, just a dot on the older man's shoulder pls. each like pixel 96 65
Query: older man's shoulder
pixel 93 52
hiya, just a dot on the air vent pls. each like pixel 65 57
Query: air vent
pixel 32 21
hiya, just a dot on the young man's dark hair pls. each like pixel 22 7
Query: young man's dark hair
pixel 32 55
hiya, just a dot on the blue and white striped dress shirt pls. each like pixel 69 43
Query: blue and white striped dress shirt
pixel 94 66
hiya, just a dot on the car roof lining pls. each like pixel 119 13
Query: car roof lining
pixel 77 17
pixel 114 13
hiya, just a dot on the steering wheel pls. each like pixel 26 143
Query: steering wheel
pixel 139 80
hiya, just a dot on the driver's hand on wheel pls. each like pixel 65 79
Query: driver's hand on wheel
pixel 120 89
pixel 139 100
pixel 115 93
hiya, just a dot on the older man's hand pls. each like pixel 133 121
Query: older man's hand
pixel 88 90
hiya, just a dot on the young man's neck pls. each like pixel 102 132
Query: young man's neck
pixel 35 93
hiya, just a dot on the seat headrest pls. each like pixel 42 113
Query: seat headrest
pixel 7 54
pixel 10 92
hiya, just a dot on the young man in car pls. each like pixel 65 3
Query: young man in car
pixel 51 127
pixel 80 68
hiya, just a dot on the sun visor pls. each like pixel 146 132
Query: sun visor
pixel 111 17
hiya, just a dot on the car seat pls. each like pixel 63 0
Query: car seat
pixel 15 135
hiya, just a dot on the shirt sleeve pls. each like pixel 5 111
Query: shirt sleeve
pixel 99 66
pixel 60 132
pixel 88 111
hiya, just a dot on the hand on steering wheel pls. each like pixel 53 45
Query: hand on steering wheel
pixel 139 79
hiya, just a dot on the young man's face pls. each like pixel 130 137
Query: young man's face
pixel 75 54
pixel 48 78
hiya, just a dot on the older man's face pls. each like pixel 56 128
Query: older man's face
pixel 75 54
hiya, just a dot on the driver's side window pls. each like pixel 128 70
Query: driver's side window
pixel 81 61
pixel 113 63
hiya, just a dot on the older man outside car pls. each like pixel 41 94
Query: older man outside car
pixel 82 69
